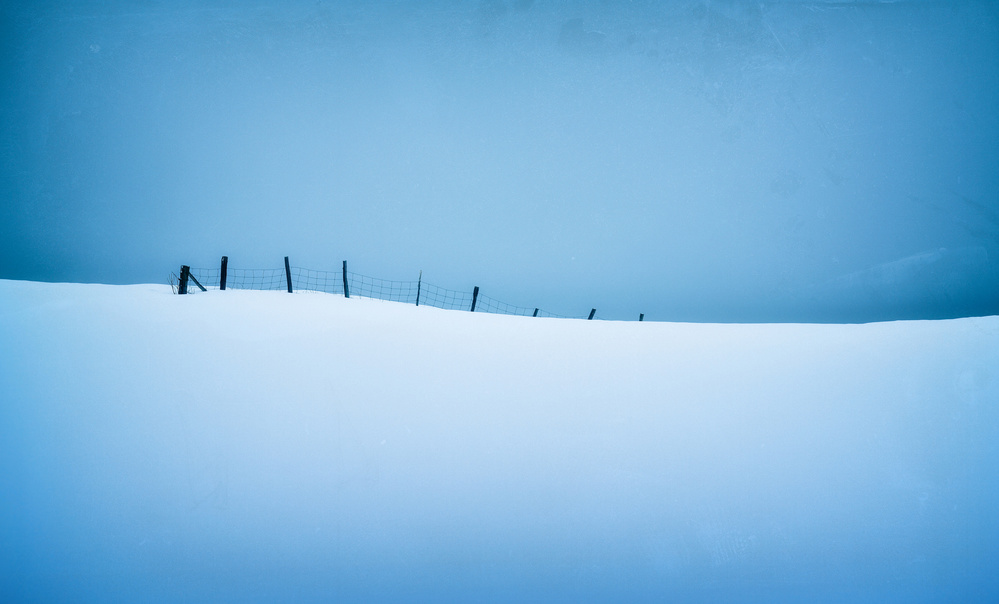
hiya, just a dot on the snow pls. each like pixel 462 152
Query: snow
pixel 247 446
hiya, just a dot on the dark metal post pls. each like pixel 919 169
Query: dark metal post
pixel 592 312
pixel 185 274
pixel 346 291
pixel 475 296
pixel 287 273
pixel 535 312
pixel 419 283
pixel 223 272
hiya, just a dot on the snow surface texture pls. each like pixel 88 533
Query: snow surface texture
pixel 258 446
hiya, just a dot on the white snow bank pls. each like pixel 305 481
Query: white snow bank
pixel 259 446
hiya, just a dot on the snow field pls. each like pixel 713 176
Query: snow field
pixel 259 446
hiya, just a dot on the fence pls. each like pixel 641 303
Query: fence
pixel 350 284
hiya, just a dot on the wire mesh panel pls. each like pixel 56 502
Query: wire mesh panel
pixel 308 280
pixel 551 315
pixel 487 304
pixel 448 299
pixel 256 278
pixel 363 286
pixel 207 277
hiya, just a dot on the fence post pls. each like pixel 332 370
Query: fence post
pixel 418 284
pixel 196 282
pixel 346 291
pixel 641 316
pixel 223 271
pixel 185 274
pixel 535 312
pixel 592 312
pixel 287 273
pixel 475 296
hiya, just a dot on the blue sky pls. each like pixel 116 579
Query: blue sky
pixel 707 161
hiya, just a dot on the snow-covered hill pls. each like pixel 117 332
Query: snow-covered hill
pixel 258 446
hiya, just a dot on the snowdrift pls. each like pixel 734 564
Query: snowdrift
pixel 257 446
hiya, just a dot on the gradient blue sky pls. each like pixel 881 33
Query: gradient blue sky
pixel 702 160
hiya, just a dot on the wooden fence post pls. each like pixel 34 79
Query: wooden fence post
pixel 592 312
pixel 475 296
pixel 641 316
pixel 419 283
pixel 535 312
pixel 287 273
pixel 346 291
pixel 185 274
pixel 223 272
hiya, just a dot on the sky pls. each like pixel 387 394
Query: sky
pixel 255 446
pixel 702 161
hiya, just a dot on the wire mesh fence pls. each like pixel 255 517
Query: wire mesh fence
pixel 244 278
pixel 357 285
pixel 364 286
pixel 305 279
pixel 207 277
pixel 448 299
pixel 256 278
pixel 492 305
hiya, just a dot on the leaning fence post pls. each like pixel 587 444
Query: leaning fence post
pixel 223 271
pixel 535 312
pixel 592 312
pixel 475 296
pixel 346 291
pixel 185 274
pixel 419 282
pixel 196 282
pixel 641 316
pixel 287 273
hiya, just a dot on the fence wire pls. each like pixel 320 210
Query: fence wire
pixel 256 278
pixel 448 299
pixel 363 286
pixel 360 286
pixel 308 280
pixel 491 305
pixel 207 277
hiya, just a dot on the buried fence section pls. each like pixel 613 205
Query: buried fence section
pixel 551 315
pixel 491 305
pixel 343 282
